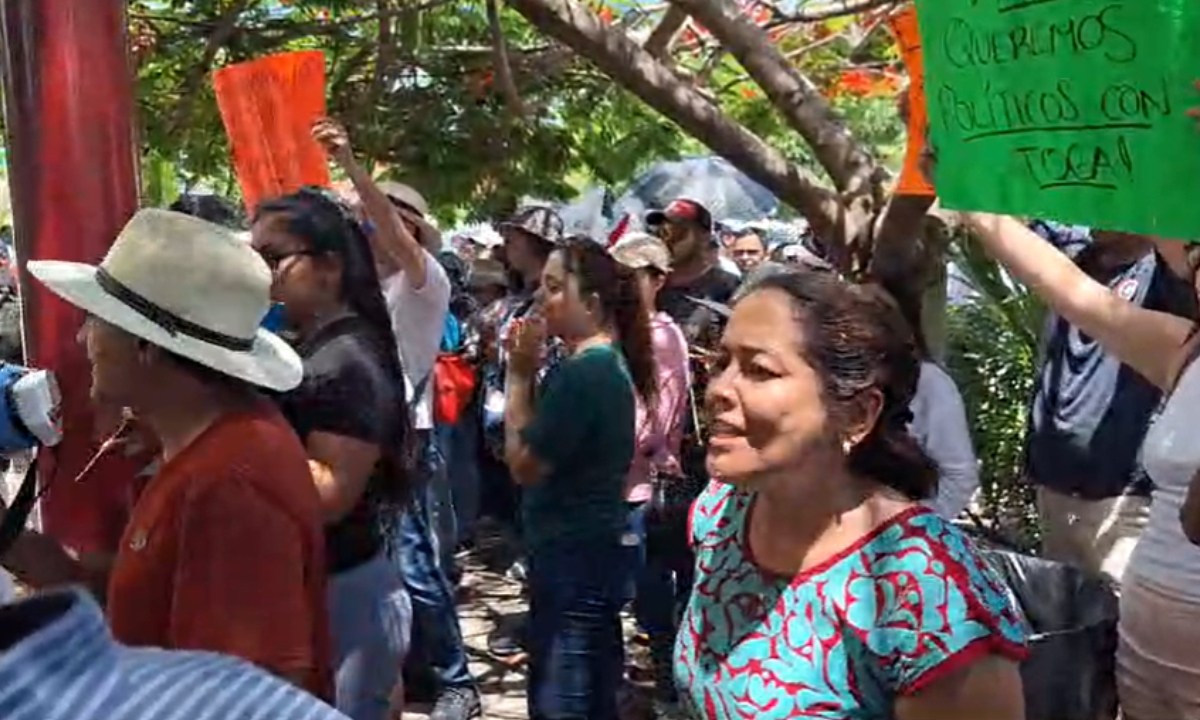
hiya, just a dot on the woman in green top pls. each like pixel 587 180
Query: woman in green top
pixel 570 450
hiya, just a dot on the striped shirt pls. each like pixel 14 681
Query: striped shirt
pixel 58 661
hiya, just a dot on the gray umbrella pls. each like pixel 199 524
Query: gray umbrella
pixel 710 181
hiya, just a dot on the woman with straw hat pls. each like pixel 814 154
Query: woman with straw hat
pixel 223 550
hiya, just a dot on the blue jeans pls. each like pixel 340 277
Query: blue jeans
pixel 652 580
pixel 437 644
pixel 460 447
pixel 369 618
pixel 433 469
pixel 576 654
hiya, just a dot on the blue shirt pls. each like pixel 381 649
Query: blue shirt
pixel 58 661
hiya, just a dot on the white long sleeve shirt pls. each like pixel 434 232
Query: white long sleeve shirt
pixel 940 427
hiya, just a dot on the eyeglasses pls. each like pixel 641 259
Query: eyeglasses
pixel 274 260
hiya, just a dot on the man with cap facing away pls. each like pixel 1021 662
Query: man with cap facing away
pixel 224 549
pixel 417 291
pixel 686 227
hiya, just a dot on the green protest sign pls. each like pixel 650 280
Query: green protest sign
pixel 1071 110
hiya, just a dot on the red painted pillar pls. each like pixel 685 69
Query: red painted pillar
pixel 72 171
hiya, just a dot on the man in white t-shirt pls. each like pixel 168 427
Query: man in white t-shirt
pixel 417 292
pixel 419 308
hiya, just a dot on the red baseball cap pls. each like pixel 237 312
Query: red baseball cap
pixel 681 211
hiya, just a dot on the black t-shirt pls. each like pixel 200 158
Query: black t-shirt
pixel 697 322
pixel 347 390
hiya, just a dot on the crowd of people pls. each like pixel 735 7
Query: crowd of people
pixel 761 459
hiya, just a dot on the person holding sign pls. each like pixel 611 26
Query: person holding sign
pixel 1158 671
pixel 416 291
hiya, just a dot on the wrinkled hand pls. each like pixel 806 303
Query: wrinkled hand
pixel 524 344
pixel 332 136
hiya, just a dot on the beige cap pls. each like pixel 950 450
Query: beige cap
pixel 639 250
pixel 430 237
pixel 405 194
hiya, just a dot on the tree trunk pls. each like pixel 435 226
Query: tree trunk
pixel 852 224
pixel 633 68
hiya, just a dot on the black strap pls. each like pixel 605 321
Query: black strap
pixel 13 523
pixel 419 389
pixel 166 319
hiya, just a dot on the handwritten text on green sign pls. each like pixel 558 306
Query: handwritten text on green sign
pixel 1072 109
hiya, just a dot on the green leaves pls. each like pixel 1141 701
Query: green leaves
pixel 434 115
pixel 993 355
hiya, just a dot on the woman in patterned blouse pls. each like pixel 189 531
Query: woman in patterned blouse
pixel 823 588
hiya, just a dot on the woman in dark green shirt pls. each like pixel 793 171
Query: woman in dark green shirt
pixel 571 450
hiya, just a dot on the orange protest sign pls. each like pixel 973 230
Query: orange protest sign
pixel 268 107
pixel 904 27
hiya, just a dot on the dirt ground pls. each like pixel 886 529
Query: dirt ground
pixel 489 599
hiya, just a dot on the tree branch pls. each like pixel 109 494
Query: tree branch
pixel 620 58
pixel 795 96
pixel 837 8
pixel 664 33
pixel 384 49
pixel 293 27
pixel 800 52
pixel 223 30
pixel 504 74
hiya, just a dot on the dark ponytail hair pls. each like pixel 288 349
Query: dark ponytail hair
pixel 329 228
pixel 616 288
pixel 856 339
pixel 911 304
pixel 212 208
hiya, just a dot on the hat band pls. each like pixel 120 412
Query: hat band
pixel 166 319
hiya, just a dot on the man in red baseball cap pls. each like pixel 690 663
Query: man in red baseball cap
pixel 686 228
pixel 681 212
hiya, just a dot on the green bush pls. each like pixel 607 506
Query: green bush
pixel 991 352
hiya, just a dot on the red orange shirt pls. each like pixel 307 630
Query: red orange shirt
pixel 224 551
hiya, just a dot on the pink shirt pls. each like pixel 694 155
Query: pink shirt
pixel 659 433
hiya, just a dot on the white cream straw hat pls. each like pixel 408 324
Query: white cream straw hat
pixel 188 286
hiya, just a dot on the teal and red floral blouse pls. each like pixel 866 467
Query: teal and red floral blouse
pixel 906 604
